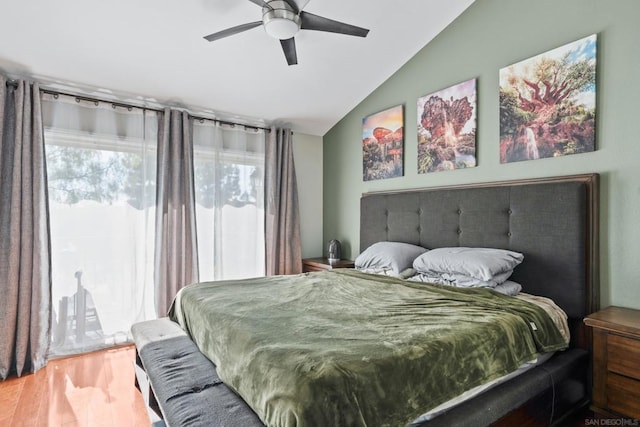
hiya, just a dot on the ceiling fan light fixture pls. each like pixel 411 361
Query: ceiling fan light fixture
pixel 281 29
pixel 280 21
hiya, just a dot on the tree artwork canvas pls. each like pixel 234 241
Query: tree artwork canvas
pixel 383 144
pixel 548 103
pixel 447 129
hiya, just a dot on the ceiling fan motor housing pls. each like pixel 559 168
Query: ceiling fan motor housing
pixel 280 20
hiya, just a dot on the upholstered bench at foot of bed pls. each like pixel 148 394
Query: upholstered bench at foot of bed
pixel 184 383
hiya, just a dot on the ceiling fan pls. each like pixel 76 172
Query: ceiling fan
pixel 282 19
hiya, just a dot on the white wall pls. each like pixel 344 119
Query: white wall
pixel 307 154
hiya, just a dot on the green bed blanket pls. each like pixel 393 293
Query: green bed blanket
pixel 344 348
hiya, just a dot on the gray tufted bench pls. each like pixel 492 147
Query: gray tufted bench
pixel 185 388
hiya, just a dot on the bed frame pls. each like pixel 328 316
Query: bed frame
pixel 552 221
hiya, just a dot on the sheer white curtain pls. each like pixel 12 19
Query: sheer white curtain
pixel 229 187
pixel 101 167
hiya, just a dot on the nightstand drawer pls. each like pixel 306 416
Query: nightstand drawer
pixel 616 361
pixel 623 395
pixel 309 268
pixel 623 356
pixel 320 264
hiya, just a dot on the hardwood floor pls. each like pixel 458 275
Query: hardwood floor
pixel 94 389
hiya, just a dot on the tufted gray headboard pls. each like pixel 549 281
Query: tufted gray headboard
pixel 552 221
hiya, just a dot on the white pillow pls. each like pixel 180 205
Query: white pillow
pixel 484 264
pixel 404 274
pixel 509 288
pixel 461 281
pixel 394 256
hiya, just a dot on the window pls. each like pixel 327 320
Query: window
pixel 101 164
pixel 229 175
pixel 101 169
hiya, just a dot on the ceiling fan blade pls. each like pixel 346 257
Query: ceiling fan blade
pixel 318 23
pixel 293 5
pixel 233 30
pixel 289 48
pixel 261 3
pixel 301 3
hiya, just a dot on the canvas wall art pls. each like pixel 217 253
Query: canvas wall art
pixel 447 128
pixel 548 103
pixel 383 144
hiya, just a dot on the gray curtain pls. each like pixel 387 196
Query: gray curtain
pixel 282 218
pixel 25 260
pixel 176 260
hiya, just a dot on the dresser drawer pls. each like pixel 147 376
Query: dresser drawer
pixel 623 356
pixel 623 395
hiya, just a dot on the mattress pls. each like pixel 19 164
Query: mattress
pixel 559 318
pixel 277 354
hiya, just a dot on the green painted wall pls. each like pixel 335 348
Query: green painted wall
pixel 489 35
pixel 307 154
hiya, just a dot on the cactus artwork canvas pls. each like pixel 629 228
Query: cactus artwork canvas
pixel 383 144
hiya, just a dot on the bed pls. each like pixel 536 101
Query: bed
pixel 552 221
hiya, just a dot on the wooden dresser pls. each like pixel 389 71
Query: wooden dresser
pixel 319 264
pixel 616 361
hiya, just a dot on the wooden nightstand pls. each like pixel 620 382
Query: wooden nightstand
pixel 616 361
pixel 319 264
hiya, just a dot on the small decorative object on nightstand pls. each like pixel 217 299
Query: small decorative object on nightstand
pixel 319 264
pixel 616 361
pixel 334 251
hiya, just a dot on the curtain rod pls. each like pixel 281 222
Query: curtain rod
pixel 14 83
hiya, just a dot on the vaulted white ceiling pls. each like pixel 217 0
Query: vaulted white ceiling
pixel 153 51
